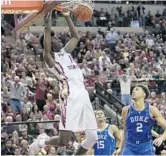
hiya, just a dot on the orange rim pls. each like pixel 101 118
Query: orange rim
pixel 59 8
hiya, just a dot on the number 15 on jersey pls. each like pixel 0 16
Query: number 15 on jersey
pixel 100 144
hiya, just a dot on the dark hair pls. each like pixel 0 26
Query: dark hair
pixel 33 108
pixel 144 88
pixel 42 39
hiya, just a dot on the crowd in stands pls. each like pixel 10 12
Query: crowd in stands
pixel 131 2
pixel 120 17
pixel 115 16
pixel 29 92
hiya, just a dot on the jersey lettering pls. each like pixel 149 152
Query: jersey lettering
pixel 139 118
pixel 106 143
pixel 139 127
pixel 103 137
pixel 72 67
pixel 60 54
pixel 68 56
pixel 100 144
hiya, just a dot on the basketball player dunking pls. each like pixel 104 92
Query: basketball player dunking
pixel 76 109
pixel 138 120
pixel 108 136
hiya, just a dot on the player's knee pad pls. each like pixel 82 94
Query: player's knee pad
pixel 90 140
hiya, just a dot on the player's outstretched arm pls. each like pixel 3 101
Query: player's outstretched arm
pixel 162 122
pixel 124 114
pixel 117 72
pixel 132 71
pixel 47 40
pixel 72 44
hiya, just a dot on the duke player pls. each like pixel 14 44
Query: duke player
pixel 138 120
pixel 108 136
pixel 76 109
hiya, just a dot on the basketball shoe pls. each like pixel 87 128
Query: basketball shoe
pixel 38 144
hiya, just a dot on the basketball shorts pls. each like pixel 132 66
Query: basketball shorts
pixel 139 149
pixel 76 112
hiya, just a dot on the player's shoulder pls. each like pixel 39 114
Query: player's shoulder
pixel 153 109
pixel 113 127
pixel 63 51
pixel 125 109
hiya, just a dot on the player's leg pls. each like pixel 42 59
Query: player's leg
pixel 90 140
pixel 147 149
pixel 44 140
pixel 61 140
pixel 127 151
pixel 86 121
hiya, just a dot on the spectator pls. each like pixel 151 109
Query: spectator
pixel 149 41
pixel 163 96
pixel 102 18
pixel 98 58
pixel 24 79
pixel 17 91
pixel 40 94
pixel 28 36
pixel 24 147
pixel 158 15
pixel 141 15
pixel 8 150
pixel 5 94
pixel 47 113
pixel 25 136
pixel 111 39
pixel 36 113
pixel 15 138
pixel 21 126
pixel 52 151
pixel 120 16
pixel 21 44
pixel 17 151
pixel 85 70
pixel 125 85
pixel 104 62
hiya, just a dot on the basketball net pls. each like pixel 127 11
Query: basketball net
pixel 68 5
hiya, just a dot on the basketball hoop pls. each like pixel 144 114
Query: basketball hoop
pixel 70 4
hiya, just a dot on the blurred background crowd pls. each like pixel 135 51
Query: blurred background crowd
pixel 29 92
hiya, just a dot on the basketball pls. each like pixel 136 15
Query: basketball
pixel 83 12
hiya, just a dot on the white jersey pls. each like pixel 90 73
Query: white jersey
pixel 77 107
pixel 70 69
